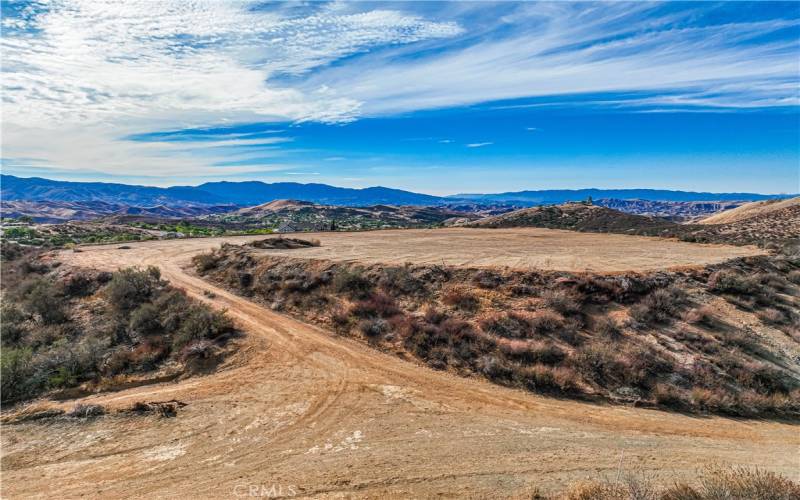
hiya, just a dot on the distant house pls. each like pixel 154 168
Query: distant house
pixel 285 227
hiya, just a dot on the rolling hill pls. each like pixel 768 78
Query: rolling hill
pixel 750 210
pixel 297 215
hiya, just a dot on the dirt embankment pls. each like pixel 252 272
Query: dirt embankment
pixel 651 339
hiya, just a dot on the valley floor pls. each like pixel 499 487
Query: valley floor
pixel 300 411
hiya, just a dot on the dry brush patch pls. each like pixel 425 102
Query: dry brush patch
pixel 647 339
pixel 65 328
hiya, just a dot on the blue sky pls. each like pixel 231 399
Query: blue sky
pixel 437 97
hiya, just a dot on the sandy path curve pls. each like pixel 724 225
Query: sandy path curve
pixel 299 411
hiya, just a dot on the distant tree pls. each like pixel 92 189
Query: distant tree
pixel 589 200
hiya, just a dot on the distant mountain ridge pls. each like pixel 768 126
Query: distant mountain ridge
pixel 246 193
pixel 249 193
pixel 556 196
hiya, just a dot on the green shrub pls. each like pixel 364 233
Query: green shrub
pixel 16 375
pixel 199 323
pixel 43 300
pixel 131 287
pixel 12 324
pixel 145 320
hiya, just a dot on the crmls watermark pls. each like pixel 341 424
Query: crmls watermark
pixel 264 490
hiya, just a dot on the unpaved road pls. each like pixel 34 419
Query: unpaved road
pixel 299 411
pixel 518 248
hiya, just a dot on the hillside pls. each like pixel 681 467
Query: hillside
pixel 750 210
pixel 580 217
pixel 62 211
pixel 678 211
pixel 305 216
pixel 759 226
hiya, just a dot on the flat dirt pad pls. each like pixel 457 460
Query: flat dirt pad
pixel 522 248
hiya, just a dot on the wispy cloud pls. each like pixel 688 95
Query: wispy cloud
pixel 561 48
pixel 479 144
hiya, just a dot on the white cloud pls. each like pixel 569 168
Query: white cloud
pixel 479 144
pixel 564 48
pixel 87 72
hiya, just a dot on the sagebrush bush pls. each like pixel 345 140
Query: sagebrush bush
pixel 600 363
pixel 461 298
pixel 352 282
pixel 205 261
pixel 562 301
pixel 43 300
pixel 378 304
pixel 700 316
pixel 608 328
pixel 729 281
pixel 509 325
pixel 548 379
pixel 659 306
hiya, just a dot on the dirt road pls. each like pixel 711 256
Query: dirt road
pixel 301 412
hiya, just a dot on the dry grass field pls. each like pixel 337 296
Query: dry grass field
pixel 518 248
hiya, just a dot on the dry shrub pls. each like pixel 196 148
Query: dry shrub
pixel 543 378
pixel 533 352
pixel 714 483
pixel 659 306
pixel 373 328
pixel 752 484
pixel 86 411
pixel 599 363
pixel 205 262
pixel 461 298
pixel 773 316
pixel 487 279
pixel 352 282
pixel 341 319
pixel 700 316
pixel 400 280
pixel 509 325
pixel 562 301
pixel 608 328
pixel 544 322
pixel 729 281
pixel 794 277
pixel 378 304
pixel 669 396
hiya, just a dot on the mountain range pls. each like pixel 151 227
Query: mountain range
pixel 249 193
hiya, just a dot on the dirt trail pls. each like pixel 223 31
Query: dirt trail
pixel 299 411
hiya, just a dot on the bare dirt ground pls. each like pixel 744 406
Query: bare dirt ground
pixel 300 411
pixel 519 248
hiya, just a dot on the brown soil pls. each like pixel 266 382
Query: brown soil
pixel 298 410
pixel 519 248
